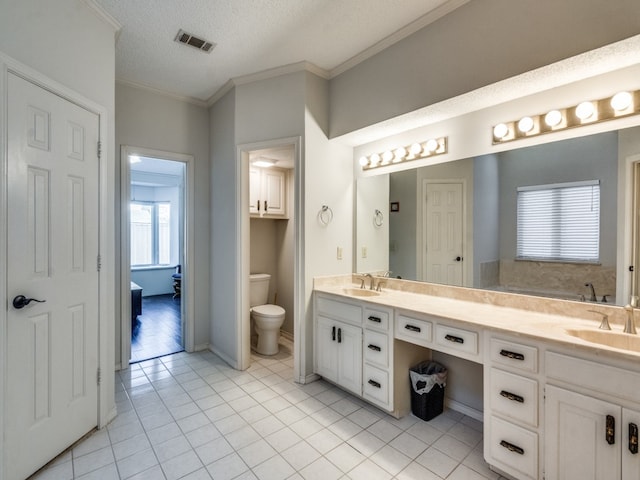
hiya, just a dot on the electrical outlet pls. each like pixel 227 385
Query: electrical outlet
pixel 364 252
pixel 339 253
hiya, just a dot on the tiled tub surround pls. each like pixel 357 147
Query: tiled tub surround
pixel 537 378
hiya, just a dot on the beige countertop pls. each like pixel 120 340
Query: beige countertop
pixel 549 323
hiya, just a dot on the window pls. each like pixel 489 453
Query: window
pixel 150 233
pixel 559 222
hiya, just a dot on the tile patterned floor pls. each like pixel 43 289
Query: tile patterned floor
pixel 159 329
pixel 191 416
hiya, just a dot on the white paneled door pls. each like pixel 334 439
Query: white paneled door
pixel 442 237
pixel 52 355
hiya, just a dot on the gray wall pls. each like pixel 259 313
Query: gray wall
pixel 588 158
pixel 146 119
pixel 478 44
pixel 486 218
pixel 403 240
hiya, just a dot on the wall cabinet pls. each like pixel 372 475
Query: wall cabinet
pixel 268 192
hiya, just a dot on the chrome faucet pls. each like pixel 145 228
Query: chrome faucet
pixel 371 280
pixel 630 324
pixel 593 297
pixel 604 324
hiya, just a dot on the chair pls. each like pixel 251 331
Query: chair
pixel 177 281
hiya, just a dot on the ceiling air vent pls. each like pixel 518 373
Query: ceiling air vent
pixel 192 40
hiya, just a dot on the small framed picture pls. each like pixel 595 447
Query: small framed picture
pixel 395 206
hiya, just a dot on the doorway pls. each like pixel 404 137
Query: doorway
pixel 156 297
pixel 443 232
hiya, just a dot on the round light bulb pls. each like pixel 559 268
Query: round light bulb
pixel 500 131
pixel 364 161
pixel 374 159
pixel 432 145
pixel 621 101
pixel 553 118
pixel 416 149
pixel 525 124
pixel 400 154
pixel 387 157
pixel 585 110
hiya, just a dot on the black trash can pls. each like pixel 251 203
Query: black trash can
pixel 428 380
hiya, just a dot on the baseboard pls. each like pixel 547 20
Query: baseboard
pixel 108 418
pixel 460 407
pixel 201 347
pixel 230 361
pixel 305 379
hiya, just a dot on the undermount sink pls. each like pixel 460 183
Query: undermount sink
pixel 623 341
pixel 360 292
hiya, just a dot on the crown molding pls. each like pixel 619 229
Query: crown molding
pixel 267 74
pixel 164 93
pixel 401 34
pixel 105 17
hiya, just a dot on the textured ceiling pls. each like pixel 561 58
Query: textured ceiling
pixel 253 36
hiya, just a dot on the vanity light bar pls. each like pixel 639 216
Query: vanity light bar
pixel 621 104
pixel 415 151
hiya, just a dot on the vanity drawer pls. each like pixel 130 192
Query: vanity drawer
pixel 514 396
pixel 514 355
pixel 413 330
pixel 376 348
pixel 347 312
pixel 513 447
pixel 457 339
pixel 375 386
pixel 377 318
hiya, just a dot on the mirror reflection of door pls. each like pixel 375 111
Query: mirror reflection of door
pixel 442 235
pixel 635 239
pixel 156 214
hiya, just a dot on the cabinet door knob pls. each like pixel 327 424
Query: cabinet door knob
pixel 339 335
pixel 333 333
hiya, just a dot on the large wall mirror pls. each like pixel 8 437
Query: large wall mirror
pixel 456 222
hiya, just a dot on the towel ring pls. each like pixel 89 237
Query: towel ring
pixel 325 215
pixel 378 218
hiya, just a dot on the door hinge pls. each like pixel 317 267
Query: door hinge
pixel 99 262
pixel 98 376
pixel 99 150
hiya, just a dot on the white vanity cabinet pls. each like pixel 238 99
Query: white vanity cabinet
pixel 267 192
pixel 338 342
pixel 377 376
pixel 592 417
pixel 511 406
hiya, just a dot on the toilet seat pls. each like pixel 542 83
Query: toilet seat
pixel 268 310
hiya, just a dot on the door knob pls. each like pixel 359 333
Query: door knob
pixel 458 259
pixel 21 301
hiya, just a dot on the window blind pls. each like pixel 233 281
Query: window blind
pixel 559 222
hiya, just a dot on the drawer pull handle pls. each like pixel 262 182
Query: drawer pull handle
pixel 375 319
pixel 511 447
pixel 633 438
pixel 373 383
pixel 375 348
pixel 413 328
pixel 453 338
pixel 512 396
pixel 512 355
pixel 610 430
pixel 333 333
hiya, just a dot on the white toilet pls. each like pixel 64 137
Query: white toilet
pixel 267 318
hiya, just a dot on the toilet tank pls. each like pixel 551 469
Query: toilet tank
pixel 258 289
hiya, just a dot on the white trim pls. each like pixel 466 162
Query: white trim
pixel 188 261
pixel 551 186
pixel 464 409
pixel 626 254
pixel 399 35
pixel 244 253
pixel 106 17
pixel 183 98
pixel 105 409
